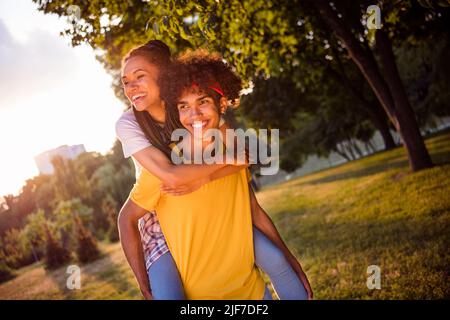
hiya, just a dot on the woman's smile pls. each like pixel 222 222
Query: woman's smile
pixel 138 97
pixel 199 124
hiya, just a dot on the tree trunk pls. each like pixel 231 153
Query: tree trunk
pixel 370 148
pixel 380 121
pixel 417 154
pixel 374 111
pixel 348 147
pixel 357 148
pixel 342 154
pixel 409 129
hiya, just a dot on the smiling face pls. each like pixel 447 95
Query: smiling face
pixel 139 79
pixel 198 110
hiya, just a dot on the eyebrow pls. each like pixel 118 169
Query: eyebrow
pixel 137 70
pixel 202 97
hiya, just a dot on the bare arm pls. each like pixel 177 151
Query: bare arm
pixel 131 243
pixel 262 221
pixel 182 189
pixel 194 185
pixel 156 162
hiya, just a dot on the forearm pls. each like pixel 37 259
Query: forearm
pixel 156 162
pixel 132 247
pixel 183 174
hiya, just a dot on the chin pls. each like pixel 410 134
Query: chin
pixel 139 108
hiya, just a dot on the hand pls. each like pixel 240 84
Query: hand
pixel 184 189
pixel 147 294
pixel 302 276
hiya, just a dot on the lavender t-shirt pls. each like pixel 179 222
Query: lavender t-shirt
pixel 131 136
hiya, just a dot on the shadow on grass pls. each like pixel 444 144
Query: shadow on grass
pixel 380 161
pixel 439 158
pixel 360 173
pixel 377 235
pixel 415 251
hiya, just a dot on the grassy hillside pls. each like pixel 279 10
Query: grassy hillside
pixel 337 221
pixel 370 212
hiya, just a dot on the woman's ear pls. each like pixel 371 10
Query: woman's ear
pixel 223 105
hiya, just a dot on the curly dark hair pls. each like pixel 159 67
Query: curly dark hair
pixel 204 70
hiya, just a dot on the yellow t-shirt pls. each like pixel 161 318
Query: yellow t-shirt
pixel 209 234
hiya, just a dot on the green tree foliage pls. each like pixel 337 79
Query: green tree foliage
pixel 109 207
pixel 87 249
pixel 425 69
pixel 91 187
pixel 12 248
pixel 64 217
pixel 69 182
pixel 56 254
pixel 34 234
pixel 5 272
pixel 270 37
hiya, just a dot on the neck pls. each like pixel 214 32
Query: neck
pixel 190 144
pixel 157 112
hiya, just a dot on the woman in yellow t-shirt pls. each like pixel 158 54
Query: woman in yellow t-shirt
pixel 209 231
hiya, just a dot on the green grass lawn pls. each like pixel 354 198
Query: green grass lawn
pixel 337 222
pixel 370 212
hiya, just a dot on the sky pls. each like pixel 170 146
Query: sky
pixel 51 94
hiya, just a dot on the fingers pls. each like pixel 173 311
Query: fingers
pixel 172 190
pixel 147 295
pixel 179 191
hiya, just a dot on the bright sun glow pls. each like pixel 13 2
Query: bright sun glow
pixel 51 94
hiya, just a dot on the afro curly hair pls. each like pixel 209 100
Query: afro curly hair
pixel 198 71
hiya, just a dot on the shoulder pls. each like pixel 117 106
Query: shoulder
pixel 126 121
pixel 127 127
pixel 130 134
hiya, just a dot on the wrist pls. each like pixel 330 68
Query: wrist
pixel 144 287
pixel 145 290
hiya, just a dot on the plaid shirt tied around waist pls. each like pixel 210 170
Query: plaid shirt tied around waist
pixel 153 241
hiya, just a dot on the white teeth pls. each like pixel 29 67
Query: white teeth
pixel 198 124
pixel 137 96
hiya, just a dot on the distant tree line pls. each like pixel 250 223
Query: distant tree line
pixel 60 217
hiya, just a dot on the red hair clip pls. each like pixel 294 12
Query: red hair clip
pixel 216 88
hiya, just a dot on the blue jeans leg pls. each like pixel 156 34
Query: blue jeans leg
pixel 272 261
pixel 165 279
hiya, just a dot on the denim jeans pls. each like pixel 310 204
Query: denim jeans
pixel 166 283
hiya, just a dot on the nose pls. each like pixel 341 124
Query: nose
pixel 195 113
pixel 131 88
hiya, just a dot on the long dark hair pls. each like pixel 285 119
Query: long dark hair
pixel 158 54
